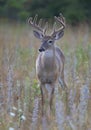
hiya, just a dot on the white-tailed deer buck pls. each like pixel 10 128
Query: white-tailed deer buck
pixel 50 61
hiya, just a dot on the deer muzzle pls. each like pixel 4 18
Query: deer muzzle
pixel 41 49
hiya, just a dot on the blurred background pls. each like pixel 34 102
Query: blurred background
pixel 20 96
pixel 75 11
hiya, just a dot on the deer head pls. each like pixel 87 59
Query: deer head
pixel 40 33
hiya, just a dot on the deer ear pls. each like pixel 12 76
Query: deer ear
pixel 37 34
pixel 58 35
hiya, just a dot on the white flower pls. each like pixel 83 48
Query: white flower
pixel 12 114
pixel 23 117
pixel 14 108
pixel 20 110
pixel 11 128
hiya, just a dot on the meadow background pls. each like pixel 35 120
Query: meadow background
pixel 20 97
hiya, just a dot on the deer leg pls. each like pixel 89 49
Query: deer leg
pixel 42 98
pixel 62 82
pixel 51 97
pixel 61 79
pixel 64 86
pixel 50 90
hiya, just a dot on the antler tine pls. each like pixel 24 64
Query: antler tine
pixel 54 27
pixel 40 22
pixel 61 20
pixel 61 16
pixel 30 20
pixel 45 28
pixel 35 19
pixel 34 24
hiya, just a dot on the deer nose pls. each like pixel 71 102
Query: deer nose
pixel 41 49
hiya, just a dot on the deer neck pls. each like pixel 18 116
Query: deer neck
pixel 49 58
pixel 50 53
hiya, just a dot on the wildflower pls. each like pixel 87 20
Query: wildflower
pixel 20 110
pixel 12 114
pixel 14 108
pixel 23 117
pixel 11 128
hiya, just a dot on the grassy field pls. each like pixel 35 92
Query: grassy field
pixel 20 107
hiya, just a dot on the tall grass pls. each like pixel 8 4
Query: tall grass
pixel 20 104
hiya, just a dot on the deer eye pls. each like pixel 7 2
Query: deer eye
pixel 50 41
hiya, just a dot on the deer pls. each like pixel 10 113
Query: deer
pixel 50 61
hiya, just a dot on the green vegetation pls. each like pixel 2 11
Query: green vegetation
pixel 75 11
pixel 20 95
pixel 20 98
